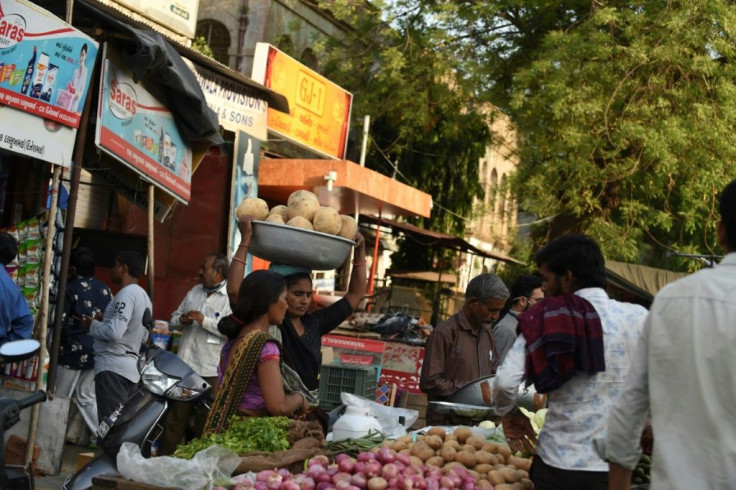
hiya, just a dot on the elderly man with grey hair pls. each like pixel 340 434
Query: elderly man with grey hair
pixel 462 349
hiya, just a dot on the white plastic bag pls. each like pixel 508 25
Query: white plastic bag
pixel 207 469
pixel 388 417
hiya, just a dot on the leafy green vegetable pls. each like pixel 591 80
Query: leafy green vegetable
pixel 352 447
pixel 245 435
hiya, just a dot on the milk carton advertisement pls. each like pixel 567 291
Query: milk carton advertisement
pixel 45 64
pixel 137 129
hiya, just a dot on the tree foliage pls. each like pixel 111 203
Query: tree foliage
pixel 624 109
pixel 427 129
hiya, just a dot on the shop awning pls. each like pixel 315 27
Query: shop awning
pixel 151 55
pixel 275 100
pixel 441 239
pixel 640 280
pixel 353 185
pixel 428 276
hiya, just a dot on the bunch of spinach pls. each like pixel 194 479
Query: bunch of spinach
pixel 244 435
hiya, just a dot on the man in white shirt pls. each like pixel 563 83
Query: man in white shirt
pixel 684 371
pixel 200 344
pixel 572 267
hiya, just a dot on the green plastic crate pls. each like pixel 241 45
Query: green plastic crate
pixel 335 379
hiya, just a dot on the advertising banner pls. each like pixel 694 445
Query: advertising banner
pixel 139 131
pixel 45 64
pixel 245 184
pixel 178 15
pixel 236 110
pixel 34 137
pixel 320 110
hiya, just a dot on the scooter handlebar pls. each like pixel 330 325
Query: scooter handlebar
pixel 37 397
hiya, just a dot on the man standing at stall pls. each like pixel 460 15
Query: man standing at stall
pixel 16 321
pixel 683 371
pixel 574 346
pixel 462 348
pixel 200 345
pixel 118 336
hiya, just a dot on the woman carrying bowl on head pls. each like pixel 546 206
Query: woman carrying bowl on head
pixel 249 380
pixel 301 332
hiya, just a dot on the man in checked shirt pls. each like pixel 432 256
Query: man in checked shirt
pixel 200 344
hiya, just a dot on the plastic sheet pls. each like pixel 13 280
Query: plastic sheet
pixel 388 417
pixel 209 468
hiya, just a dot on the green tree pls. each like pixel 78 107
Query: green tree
pixel 427 128
pixel 627 122
pixel 624 109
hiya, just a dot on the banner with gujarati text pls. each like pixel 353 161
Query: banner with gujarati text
pixel 45 64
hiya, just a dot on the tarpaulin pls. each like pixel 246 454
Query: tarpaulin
pixel 149 56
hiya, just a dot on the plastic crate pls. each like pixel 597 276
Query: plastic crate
pixel 335 379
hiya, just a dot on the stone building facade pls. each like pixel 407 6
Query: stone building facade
pixel 233 27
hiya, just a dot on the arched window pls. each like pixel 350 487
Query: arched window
pixel 502 199
pixel 217 37
pixel 492 191
pixel 309 59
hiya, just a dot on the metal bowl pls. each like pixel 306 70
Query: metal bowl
pixel 462 410
pixel 478 392
pixel 283 244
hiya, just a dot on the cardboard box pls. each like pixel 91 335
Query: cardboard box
pixel 84 458
pixel 15 451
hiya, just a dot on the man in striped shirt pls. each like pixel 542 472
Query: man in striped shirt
pixel 200 344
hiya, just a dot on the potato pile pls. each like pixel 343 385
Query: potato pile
pixel 302 210
pixel 487 462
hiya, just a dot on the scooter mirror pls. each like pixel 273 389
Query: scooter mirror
pixel 19 350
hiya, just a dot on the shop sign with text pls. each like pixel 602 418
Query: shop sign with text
pixel 34 137
pixel 320 109
pixel 178 15
pixel 45 64
pixel 236 109
pixel 134 127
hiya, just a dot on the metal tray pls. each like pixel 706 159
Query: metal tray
pixel 478 392
pixel 283 244
pixel 462 410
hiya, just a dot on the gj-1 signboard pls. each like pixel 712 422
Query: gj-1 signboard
pixel 320 109
pixel 45 64
pixel 139 131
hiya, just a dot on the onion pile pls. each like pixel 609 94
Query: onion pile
pixel 379 470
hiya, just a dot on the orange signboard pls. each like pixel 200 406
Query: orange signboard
pixel 320 110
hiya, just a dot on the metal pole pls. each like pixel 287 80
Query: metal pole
pixel 364 146
pixel 372 278
pixel 151 205
pixel 66 250
pixel 44 312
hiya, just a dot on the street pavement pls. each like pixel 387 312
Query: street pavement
pixel 68 465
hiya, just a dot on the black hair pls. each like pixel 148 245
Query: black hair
pixel 220 264
pixel 578 253
pixel 83 259
pixel 84 48
pixel 292 279
pixel 522 287
pixel 258 291
pixel 727 207
pixel 8 248
pixel 133 260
